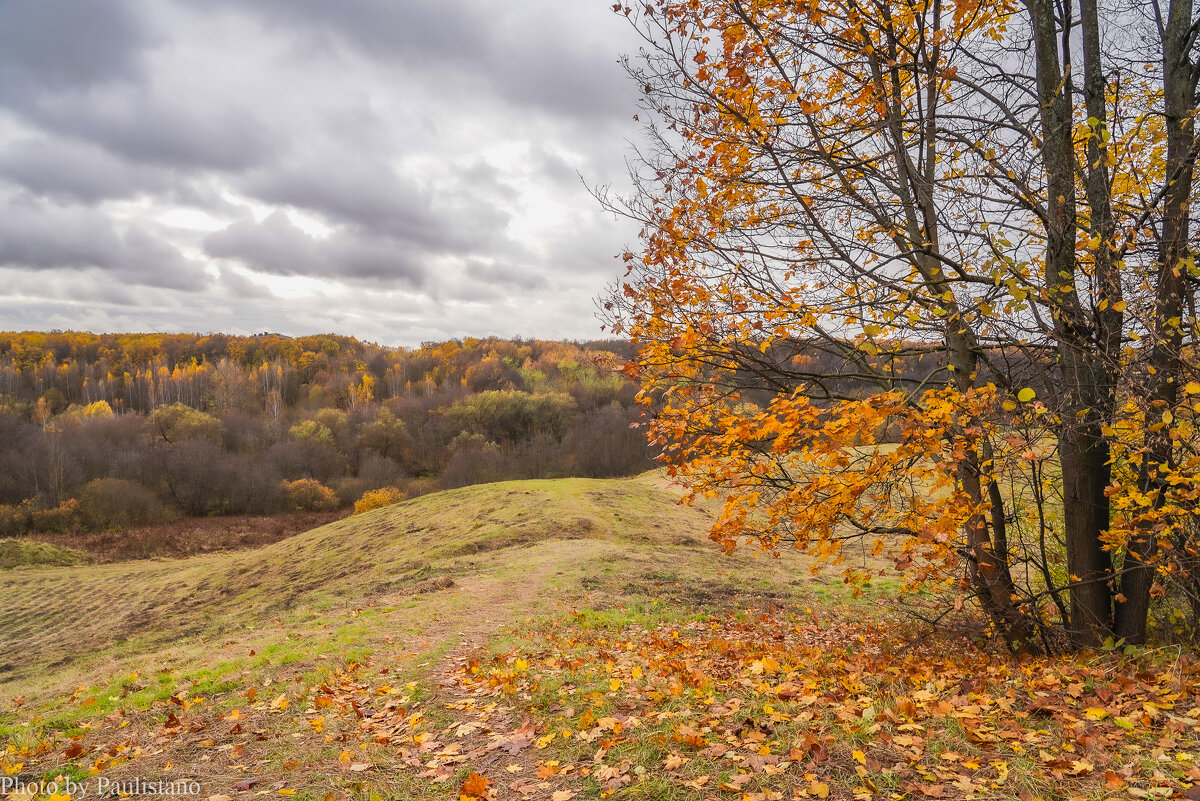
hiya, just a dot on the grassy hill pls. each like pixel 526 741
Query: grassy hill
pixel 534 539
pixel 544 640
pixel 404 588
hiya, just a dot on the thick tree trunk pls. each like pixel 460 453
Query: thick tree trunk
pixel 1172 289
pixel 1081 449
pixel 1084 454
pixel 989 572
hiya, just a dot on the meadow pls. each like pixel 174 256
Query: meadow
pixel 556 639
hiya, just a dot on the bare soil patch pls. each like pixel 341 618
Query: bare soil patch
pixel 191 535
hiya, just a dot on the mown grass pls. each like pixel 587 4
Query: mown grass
pixel 397 592
pixel 59 613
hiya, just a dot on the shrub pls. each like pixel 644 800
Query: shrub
pixel 474 466
pixel 378 471
pixel 377 498
pixel 27 516
pixel 254 486
pixel 23 553
pixel 57 520
pixel 309 495
pixel 348 489
pixel 174 422
pixel 511 415
pixel 16 518
pixel 107 503
pixel 421 486
pixel 197 474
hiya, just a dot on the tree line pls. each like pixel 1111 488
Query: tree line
pixel 116 430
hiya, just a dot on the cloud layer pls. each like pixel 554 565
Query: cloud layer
pixel 396 171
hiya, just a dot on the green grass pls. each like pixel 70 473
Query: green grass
pixel 16 553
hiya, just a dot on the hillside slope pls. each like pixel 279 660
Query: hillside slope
pixel 576 531
pixel 547 641
pixel 400 594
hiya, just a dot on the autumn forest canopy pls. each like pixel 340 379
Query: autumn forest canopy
pixel 118 430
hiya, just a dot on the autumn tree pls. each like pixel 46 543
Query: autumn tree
pixel 900 254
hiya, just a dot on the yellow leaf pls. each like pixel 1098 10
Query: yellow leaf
pixel 859 757
pixel 1192 388
pixel 1026 395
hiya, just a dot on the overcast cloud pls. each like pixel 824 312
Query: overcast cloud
pixel 396 170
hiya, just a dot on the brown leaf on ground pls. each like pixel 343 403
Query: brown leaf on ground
pixel 476 785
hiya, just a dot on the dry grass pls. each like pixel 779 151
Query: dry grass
pixel 190 536
pixel 98 652
pixel 55 616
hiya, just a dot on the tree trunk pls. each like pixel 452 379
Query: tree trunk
pixel 1165 352
pixel 1081 448
pixel 1085 475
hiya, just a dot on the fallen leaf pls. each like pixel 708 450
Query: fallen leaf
pixel 476 785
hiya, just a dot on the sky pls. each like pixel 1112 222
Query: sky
pixel 395 170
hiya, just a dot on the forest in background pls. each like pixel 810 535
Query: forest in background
pixel 116 430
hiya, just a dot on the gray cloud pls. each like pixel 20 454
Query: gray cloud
pixel 54 237
pixel 233 284
pixel 150 129
pixel 535 54
pixel 436 141
pixel 505 275
pixel 368 200
pixel 360 193
pixel 68 44
pixel 278 247
pixel 78 171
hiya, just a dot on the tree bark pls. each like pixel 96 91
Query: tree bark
pixel 1172 290
pixel 1082 451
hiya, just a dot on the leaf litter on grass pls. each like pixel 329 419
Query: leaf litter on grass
pixel 781 706
pixel 747 706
